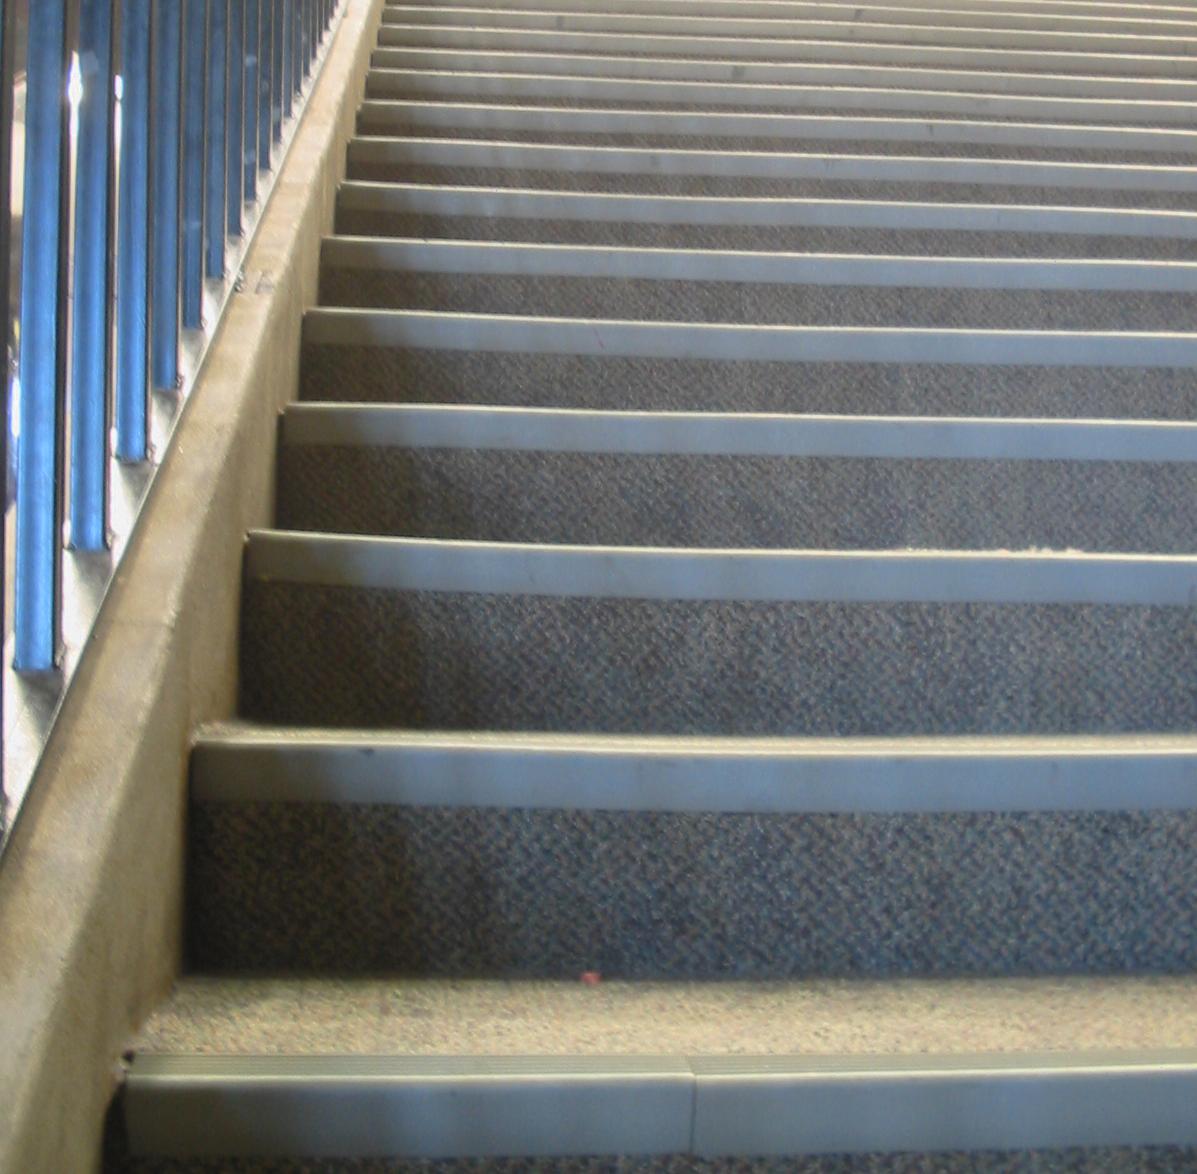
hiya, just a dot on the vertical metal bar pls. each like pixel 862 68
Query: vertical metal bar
pixel 278 67
pixel 133 236
pixel 235 127
pixel 299 47
pixel 249 157
pixel 195 66
pixel 288 88
pixel 164 281
pixel 265 81
pixel 6 117
pixel 91 317
pixel 305 36
pixel 39 485
pixel 214 184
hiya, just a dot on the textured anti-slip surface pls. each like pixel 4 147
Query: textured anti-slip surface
pixel 385 374
pixel 735 501
pixel 382 122
pixel 647 181
pixel 344 656
pixel 355 221
pixel 355 888
pixel 1107 1160
pixel 762 304
pixel 371 1016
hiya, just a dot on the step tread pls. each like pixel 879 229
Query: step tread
pixel 848 576
pixel 241 763
pixel 399 255
pixel 831 49
pixel 727 343
pixel 807 1020
pixel 735 433
pixel 664 208
pixel 1162 41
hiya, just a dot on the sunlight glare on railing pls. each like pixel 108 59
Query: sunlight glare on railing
pixel 145 139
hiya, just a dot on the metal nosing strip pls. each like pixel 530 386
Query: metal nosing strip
pixel 480 1107
pixel 944 577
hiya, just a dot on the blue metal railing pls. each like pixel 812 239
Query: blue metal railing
pixel 152 132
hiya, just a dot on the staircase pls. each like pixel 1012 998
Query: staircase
pixel 722 692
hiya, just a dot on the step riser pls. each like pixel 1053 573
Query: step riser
pixel 699 301
pixel 338 889
pixel 785 73
pixel 1120 20
pixel 389 375
pixel 608 499
pixel 579 22
pixel 749 213
pixel 353 222
pixel 734 343
pixel 509 87
pixel 1173 176
pixel 1154 1159
pixel 352 657
pixel 1055 61
pixel 417 258
pixel 1073 9
pixel 942 189
pixel 728 131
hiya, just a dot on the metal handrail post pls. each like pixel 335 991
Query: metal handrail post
pixel 249 156
pixel 133 258
pixel 234 124
pixel 165 201
pixel 214 131
pixel 195 91
pixel 91 321
pixel 38 585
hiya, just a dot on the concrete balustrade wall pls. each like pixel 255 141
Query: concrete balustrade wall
pixel 91 885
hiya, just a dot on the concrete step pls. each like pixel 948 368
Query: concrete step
pixel 1160 40
pixel 387 61
pixel 1164 62
pixel 927 229
pixel 1060 18
pixel 657 858
pixel 755 287
pixel 609 478
pixel 414 1068
pixel 392 632
pixel 823 174
pixel 817 93
pixel 625 126
pixel 426 357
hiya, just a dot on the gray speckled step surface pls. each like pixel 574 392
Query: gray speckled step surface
pixel 386 375
pixel 635 127
pixel 745 302
pixel 370 657
pixel 354 221
pixel 671 499
pixel 329 888
pixel 582 180
pixel 1165 63
pixel 376 1016
pixel 1099 1160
